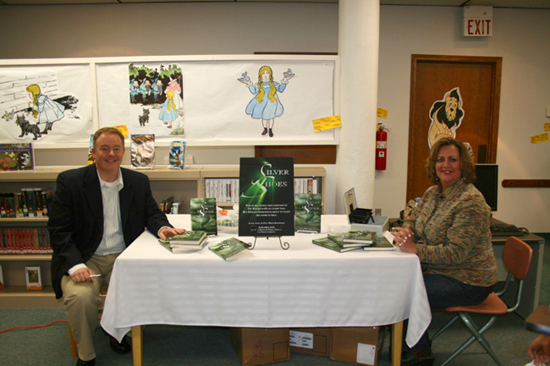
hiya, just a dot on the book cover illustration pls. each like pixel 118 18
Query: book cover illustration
pixel 380 243
pixel 332 245
pixel 91 159
pixel 176 155
pixel 229 248
pixel 359 236
pixel 203 215
pixel 266 197
pixel 189 237
pixel 307 212
pixel 16 157
pixel 34 280
pixel 143 151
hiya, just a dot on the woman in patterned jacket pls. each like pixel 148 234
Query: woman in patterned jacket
pixel 449 231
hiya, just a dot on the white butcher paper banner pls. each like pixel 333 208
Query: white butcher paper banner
pixel 217 102
pixel 45 104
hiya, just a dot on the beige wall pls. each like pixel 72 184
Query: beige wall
pixel 520 37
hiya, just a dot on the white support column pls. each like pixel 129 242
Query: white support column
pixel 358 42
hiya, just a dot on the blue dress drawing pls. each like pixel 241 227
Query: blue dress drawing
pixel 168 112
pixel 49 111
pixel 266 105
pixel 266 109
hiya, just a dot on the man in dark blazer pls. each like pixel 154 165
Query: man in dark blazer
pixel 97 211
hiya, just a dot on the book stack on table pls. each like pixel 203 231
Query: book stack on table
pixel 354 239
pixel 185 242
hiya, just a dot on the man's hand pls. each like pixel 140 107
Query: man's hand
pixel 82 275
pixel 539 350
pixel 169 232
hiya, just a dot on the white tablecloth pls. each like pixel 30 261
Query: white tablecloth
pixel 304 286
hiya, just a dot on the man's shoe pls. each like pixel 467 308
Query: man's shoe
pixel 85 363
pixel 122 347
pixel 417 359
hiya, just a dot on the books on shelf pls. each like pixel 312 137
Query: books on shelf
pixel 176 155
pixel 229 248
pixel 310 185
pixel 30 202
pixel 142 151
pixel 16 157
pixel 25 241
pixel 189 237
pixel 307 212
pixel 1 278
pixel 331 244
pixel 226 190
pixel 203 215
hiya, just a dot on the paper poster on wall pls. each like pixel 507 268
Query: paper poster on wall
pixel 446 116
pixel 45 104
pixel 224 101
pixel 156 99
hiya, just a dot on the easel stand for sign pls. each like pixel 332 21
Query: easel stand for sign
pixel 285 245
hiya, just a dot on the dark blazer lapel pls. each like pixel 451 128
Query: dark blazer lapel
pixel 92 192
pixel 126 195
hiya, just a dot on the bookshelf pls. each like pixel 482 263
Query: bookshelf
pixel 182 184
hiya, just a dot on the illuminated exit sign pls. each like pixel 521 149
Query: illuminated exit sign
pixel 478 21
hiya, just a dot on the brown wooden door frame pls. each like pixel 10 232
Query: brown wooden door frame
pixel 496 65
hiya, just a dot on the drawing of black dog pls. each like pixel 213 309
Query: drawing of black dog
pixel 144 118
pixel 27 128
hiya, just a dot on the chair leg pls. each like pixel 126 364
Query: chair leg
pixel 72 342
pixel 449 323
pixel 476 335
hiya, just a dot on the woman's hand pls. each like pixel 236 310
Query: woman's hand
pixel 404 239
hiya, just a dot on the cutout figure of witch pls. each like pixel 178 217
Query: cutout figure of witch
pixel 266 105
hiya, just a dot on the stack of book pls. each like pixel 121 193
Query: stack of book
pixel 186 242
pixel 354 239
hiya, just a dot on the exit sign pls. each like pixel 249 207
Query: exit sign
pixel 478 21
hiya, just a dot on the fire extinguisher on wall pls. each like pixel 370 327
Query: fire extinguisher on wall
pixel 381 146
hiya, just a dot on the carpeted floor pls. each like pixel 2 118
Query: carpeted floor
pixel 211 346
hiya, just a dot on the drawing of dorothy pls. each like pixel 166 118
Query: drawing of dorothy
pixel 43 108
pixel 266 105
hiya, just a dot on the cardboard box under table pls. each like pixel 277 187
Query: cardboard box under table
pixel 356 345
pixel 261 346
pixel 311 341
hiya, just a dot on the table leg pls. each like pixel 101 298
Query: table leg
pixel 396 340
pixel 137 345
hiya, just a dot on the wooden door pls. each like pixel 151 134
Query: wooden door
pixel 476 81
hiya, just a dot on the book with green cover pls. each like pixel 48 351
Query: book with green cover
pixel 307 212
pixel 339 238
pixel 203 215
pixel 384 242
pixel 229 248
pixel 177 249
pixel 187 238
pixel 332 245
pixel 380 243
pixel 359 236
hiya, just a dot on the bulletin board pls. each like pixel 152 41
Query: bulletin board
pixel 203 100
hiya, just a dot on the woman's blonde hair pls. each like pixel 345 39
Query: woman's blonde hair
pixel 467 166
pixel 272 91
pixel 35 91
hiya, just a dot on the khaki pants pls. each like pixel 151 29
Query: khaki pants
pixel 82 302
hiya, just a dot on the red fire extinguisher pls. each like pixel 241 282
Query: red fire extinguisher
pixel 381 146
